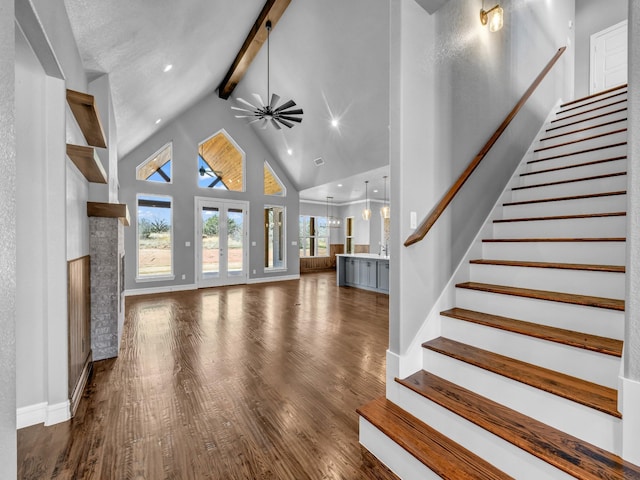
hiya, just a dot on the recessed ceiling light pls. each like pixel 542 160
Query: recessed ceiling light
pixel 167 68
pixel 375 191
pixel 158 121
pixel 289 151
pixel 339 184
pixel 334 122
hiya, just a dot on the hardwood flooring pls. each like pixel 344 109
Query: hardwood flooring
pixel 244 382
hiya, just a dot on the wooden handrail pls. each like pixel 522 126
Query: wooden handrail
pixel 446 199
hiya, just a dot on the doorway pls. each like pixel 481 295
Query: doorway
pixel 221 242
pixel 608 67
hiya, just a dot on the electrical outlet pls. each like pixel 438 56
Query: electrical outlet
pixel 253 244
pixel 184 277
pixel 294 243
pixel 413 221
pixel 254 271
pixel 187 244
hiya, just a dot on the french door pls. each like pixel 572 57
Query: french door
pixel 221 242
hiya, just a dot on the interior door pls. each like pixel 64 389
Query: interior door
pixel 609 58
pixel 221 241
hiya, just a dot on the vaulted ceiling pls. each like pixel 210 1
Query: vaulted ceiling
pixel 330 56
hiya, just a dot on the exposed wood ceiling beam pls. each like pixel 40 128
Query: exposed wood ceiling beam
pixel 272 10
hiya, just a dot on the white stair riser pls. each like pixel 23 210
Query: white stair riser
pixel 401 462
pixel 552 161
pixel 592 103
pixel 503 455
pixel 583 422
pixel 569 117
pixel 592 227
pixel 602 168
pixel 558 149
pixel 582 131
pixel 579 318
pixel 591 253
pixel 590 366
pixel 583 206
pixel 597 284
pixel 583 187
pixel 557 128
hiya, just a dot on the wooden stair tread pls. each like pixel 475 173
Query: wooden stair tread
pixel 437 452
pixel 561 217
pixel 594 343
pixel 570 298
pixel 585 139
pixel 592 102
pixel 578 152
pixel 593 95
pixel 571 197
pixel 595 117
pixel 595 396
pixel 573 180
pixel 561 266
pixel 565 452
pixel 577 165
pixel 585 129
pixel 543 240
pixel 589 111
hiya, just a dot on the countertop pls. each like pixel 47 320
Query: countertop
pixel 372 256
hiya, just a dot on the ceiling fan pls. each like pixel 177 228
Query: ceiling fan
pixel 270 113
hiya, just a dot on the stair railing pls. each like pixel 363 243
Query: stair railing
pixel 446 199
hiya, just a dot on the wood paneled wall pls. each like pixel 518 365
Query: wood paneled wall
pixel 79 306
pixel 361 248
pixel 314 264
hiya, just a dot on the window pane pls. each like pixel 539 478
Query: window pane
pixel 235 231
pixel 272 184
pixel 274 237
pixel 221 163
pixel 323 247
pixel 154 236
pixel 156 168
pixel 210 241
pixel 321 230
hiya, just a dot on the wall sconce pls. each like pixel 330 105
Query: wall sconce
pixel 494 17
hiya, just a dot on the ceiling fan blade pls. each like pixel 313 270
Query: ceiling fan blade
pixel 292 112
pixel 275 124
pixel 244 116
pixel 274 100
pixel 241 100
pixel 284 122
pixel 259 99
pixel 238 109
pixel 254 120
pixel 288 104
pixel 293 119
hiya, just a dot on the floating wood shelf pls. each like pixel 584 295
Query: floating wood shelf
pixel 109 210
pixel 87 161
pixel 84 109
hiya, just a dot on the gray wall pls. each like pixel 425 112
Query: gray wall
pixel 187 132
pixel 8 449
pixel 452 84
pixel 593 16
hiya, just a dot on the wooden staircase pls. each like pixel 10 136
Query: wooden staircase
pixel 521 383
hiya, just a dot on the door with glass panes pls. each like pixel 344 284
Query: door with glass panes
pixel 221 237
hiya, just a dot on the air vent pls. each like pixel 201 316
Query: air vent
pixel 318 161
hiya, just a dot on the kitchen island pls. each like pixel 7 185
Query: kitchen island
pixel 363 270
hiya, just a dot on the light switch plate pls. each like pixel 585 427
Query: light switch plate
pixel 413 220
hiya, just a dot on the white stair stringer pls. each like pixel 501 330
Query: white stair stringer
pixel 504 455
pixel 583 422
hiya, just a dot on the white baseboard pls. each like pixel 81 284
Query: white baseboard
pixel 43 413
pixel 31 415
pixel 630 394
pixel 167 289
pixel 273 279
pixel 58 413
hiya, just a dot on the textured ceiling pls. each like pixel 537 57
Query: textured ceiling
pixel 330 56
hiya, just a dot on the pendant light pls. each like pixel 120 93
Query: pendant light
pixel 385 211
pixel 332 222
pixel 366 213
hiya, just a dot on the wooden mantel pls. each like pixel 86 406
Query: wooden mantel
pixel 109 210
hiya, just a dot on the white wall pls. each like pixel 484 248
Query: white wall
pixel 593 16
pixel 8 448
pixel 186 132
pixel 452 84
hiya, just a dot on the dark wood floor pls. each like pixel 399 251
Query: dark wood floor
pixel 245 382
